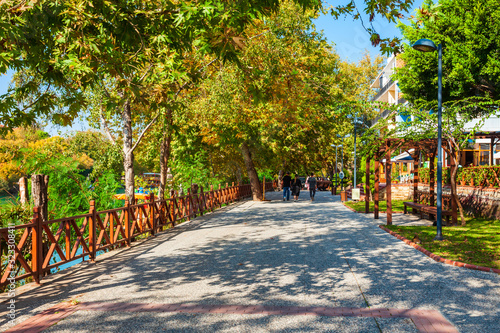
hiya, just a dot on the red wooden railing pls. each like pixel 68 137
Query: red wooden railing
pixel 81 236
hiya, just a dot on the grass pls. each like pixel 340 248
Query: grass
pixel 359 206
pixel 477 243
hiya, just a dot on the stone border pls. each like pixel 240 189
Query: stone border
pixel 439 258
pixel 430 321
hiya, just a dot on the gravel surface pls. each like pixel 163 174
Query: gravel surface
pixel 271 253
pixel 94 322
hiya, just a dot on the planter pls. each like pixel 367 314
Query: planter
pixel 462 182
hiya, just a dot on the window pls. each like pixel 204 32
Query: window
pixel 484 157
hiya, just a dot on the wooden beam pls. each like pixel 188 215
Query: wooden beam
pixel 432 178
pixel 454 206
pixel 491 151
pixel 377 183
pixel 367 186
pixel 388 167
pixel 416 161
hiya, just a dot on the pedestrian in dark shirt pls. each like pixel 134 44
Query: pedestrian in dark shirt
pixel 312 186
pixel 286 182
pixel 296 185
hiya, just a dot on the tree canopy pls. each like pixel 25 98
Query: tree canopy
pixel 469 33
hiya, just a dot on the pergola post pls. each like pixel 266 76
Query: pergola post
pixel 432 178
pixel 491 151
pixel 377 186
pixel 388 167
pixel 416 161
pixel 367 186
pixel 454 207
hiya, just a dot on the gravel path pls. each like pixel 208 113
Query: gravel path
pixel 270 253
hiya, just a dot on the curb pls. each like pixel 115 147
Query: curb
pixel 438 258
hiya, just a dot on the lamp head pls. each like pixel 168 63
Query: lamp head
pixel 424 45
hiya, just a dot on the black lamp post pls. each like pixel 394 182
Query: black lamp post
pixel 426 45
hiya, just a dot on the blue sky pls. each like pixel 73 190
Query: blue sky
pixel 350 39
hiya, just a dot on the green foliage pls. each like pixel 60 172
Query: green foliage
pixel 192 169
pixel 105 155
pixel 468 32
pixel 480 175
pixel 423 174
pixel 69 192
pixel 268 174
pixel 15 214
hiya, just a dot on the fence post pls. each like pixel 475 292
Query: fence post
pixel 36 245
pixel 126 220
pixel 188 204
pixel 211 197
pixel 92 231
pixel 152 213
pixel 172 208
pixel 202 204
pixel 264 188
pixel 220 196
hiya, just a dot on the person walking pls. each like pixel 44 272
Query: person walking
pixel 313 184
pixel 296 186
pixel 286 182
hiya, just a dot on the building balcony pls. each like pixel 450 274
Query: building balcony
pixel 383 90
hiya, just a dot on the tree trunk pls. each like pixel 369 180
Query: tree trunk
pixel 454 190
pixel 165 154
pixel 456 155
pixel 252 174
pixel 128 153
pixel 39 186
pixel 164 157
pixel 23 191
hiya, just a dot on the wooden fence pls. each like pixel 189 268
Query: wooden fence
pixel 77 237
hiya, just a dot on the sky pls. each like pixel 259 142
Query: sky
pixel 350 40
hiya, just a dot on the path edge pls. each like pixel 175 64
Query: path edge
pixel 439 258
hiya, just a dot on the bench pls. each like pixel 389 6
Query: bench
pixel 415 206
pixel 431 211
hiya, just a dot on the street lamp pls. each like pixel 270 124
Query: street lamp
pixel 427 45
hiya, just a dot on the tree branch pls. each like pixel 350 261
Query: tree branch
pixel 106 127
pixel 188 82
pixel 144 132
pixel 11 9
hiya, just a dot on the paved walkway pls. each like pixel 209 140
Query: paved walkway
pixel 266 267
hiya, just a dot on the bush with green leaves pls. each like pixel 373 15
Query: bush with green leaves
pixel 15 214
pixel 69 192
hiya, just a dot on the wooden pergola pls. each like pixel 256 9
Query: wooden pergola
pixel 494 139
pixel 428 148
